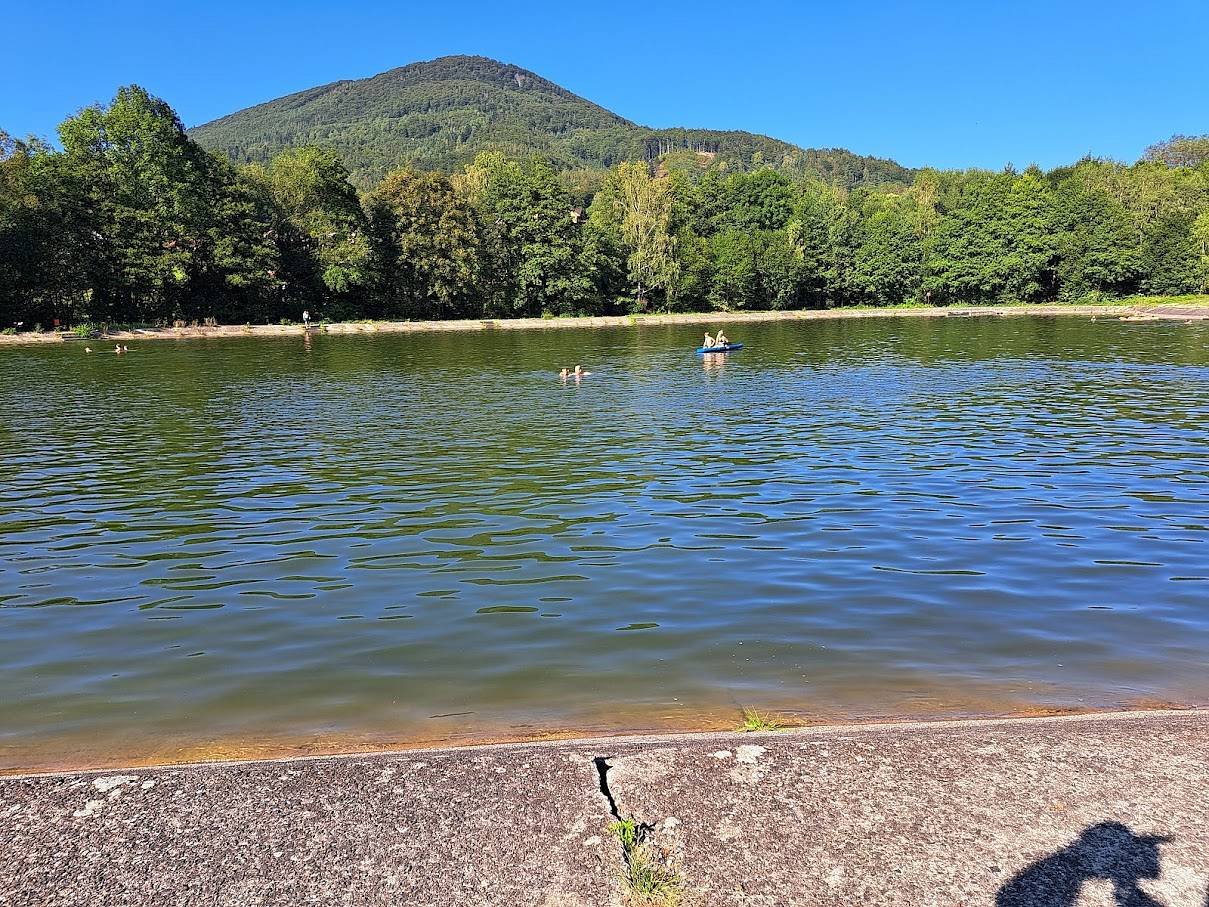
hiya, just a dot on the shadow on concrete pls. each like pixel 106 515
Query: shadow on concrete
pixel 1108 851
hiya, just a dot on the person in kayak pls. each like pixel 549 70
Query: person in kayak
pixel 721 340
pixel 709 341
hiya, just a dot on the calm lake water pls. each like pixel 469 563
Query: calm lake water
pixel 243 546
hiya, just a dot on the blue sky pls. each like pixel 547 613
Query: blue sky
pixel 941 84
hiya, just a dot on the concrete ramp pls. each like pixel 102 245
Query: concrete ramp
pixel 1186 312
pixel 1065 812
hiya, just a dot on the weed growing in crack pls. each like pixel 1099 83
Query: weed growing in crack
pixel 648 882
pixel 627 832
pixel 754 721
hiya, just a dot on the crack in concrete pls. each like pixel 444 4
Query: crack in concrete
pixel 602 770
pixel 641 829
pixel 650 877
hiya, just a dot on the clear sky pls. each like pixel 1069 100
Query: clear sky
pixel 948 84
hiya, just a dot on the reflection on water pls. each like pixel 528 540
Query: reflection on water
pixel 432 536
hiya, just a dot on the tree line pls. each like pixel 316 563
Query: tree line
pixel 133 222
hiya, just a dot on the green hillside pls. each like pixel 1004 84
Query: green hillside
pixel 439 114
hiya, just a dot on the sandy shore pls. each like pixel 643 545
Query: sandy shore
pixel 1136 311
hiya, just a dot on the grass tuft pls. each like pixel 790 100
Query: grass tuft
pixel 648 882
pixel 754 721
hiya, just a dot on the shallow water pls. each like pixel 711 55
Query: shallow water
pixel 221 546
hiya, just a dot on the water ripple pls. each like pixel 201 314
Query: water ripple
pixel 849 518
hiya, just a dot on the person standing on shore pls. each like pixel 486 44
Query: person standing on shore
pixel 306 320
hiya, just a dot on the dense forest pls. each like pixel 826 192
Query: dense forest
pixel 132 221
pixel 440 114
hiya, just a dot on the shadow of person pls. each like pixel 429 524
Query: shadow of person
pixel 1108 851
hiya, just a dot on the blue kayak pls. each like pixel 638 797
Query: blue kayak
pixel 725 348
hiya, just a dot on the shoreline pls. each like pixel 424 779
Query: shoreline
pixel 303 749
pixel 1178 309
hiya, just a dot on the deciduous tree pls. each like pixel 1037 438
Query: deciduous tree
pixel 639 208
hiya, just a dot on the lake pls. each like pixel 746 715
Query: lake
pixel 246 547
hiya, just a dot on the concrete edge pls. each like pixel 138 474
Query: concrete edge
pixel 605 742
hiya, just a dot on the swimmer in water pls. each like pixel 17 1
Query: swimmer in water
pixel 117 348
pixel 580 373
pixel 88 349
pixel 565 374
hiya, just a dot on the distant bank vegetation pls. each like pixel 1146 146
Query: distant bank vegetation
pixel 134 222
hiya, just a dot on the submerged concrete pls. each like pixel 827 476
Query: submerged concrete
pixel 1054 812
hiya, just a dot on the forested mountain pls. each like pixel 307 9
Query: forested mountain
pixel 440 114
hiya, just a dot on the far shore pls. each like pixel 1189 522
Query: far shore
pixel 1141 309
